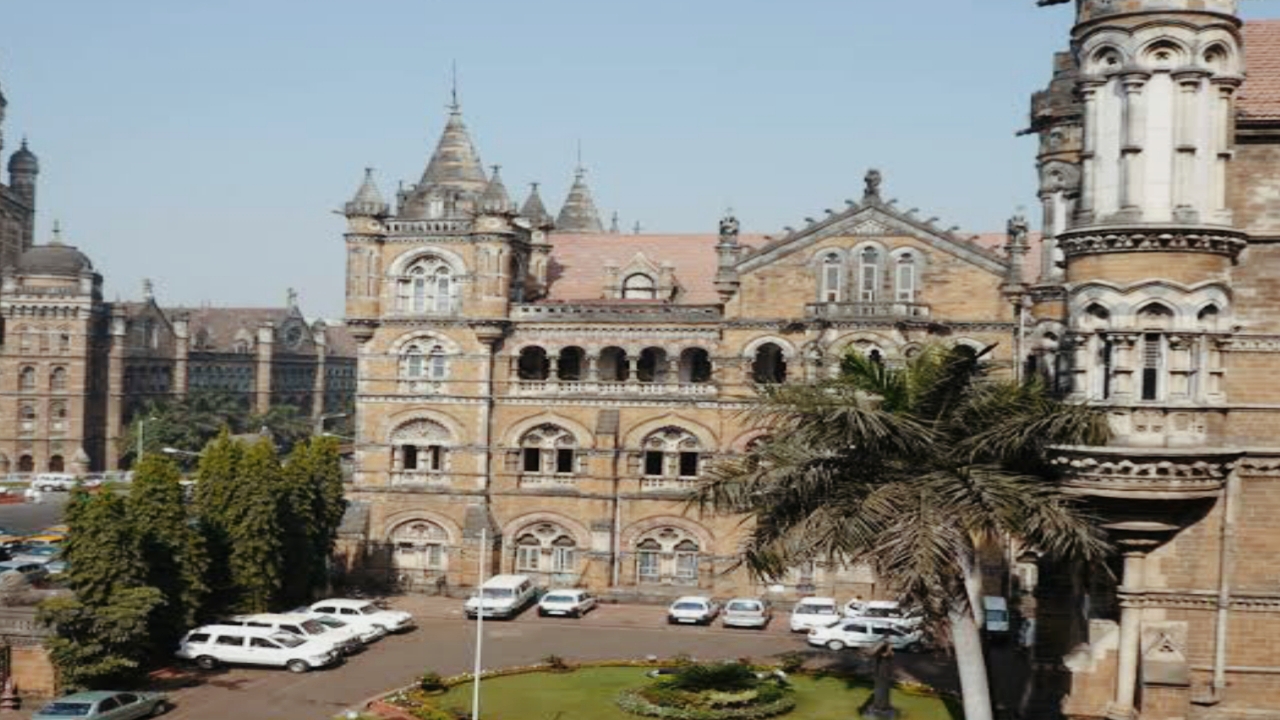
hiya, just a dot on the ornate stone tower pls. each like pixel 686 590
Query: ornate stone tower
pixel 17 199
pixel 1136 137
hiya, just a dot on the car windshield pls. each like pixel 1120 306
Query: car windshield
pixel 288 640
pixel 816 609
pixel 313 627
pixel 66 709
pixel 688 606
pixel 744 607
pixel 882 612
pixel 498 592
pixel 559 599
pixel 330 622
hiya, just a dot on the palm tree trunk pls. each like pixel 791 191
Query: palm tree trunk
pixel 971 664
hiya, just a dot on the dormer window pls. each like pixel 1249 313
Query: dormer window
pixel 639 286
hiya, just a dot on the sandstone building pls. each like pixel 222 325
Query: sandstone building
pixel 17 199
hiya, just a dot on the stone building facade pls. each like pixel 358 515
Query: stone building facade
pixel 17 199
pixel 560 388
pixel 1159 135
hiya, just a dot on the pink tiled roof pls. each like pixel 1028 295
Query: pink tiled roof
pixel 578 261
pixel 1259 97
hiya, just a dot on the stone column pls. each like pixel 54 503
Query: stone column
pixel 320 382
pixel 115 388
pixel 1088 156
pixel 593 368
pixel 1130 637
pixel 181 352
pixel 1223 138
pixel 1134 118
pixel 1186 201
pixel 262 368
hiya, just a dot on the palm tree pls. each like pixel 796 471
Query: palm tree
pixel 911 470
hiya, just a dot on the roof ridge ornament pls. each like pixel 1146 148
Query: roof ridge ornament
pixel 873 179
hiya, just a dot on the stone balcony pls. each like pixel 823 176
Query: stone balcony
pixel 1144 473
pixel 616 311
pixel 543 388
pixel 667 485
pixel 864 310
pixel 420 479
pixel 548 482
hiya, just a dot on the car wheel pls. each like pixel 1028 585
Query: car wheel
pixel 671 620
pixel 206 662
pixel 159 708
pixel 835 645
pixel 576 613
pixel 915 647
pixel 298 666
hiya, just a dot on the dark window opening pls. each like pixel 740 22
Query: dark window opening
pixel 1150 367
pixel 570 365
pixel 876 357
pixel 652 366
pixel 653 461
pixel 695 366
pixel 688 464
pixel 533 364
pixel 770 365
pixel 613 365
pixel 532 460
pixel 564 460
pixel 1105 363
pixel 410 457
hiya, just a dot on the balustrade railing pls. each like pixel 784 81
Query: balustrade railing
pixel 547 481
pixel 419 478
pixel 854 310
pixel 602 387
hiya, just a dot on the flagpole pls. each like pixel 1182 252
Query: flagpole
pixel 475 672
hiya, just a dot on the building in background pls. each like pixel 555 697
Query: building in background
pixel 562 388
pixel 17 199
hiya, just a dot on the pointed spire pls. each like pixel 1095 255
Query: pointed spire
pixel 579 214
pixel 495 198
pixel 535 210
pixel 613 224
pixel 148 291
pixel 57 233
pixel 454 176
pixel 368 200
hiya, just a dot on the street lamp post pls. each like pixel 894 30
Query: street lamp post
pixel 142 434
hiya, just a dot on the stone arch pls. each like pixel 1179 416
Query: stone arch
pixel 788 350
pixel 864 341
pixel 513 528
pixel 517 430
pixel 401 263
pixel 636 530
pixel 401 419
pixel 1151 52
pixel 450 345
pixel 453 531
pixel 635 437
pixel 742 442
pixel 1106 55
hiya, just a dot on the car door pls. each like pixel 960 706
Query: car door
pixel 588 602
pixel 266 652
pixel 230 648
pixel 854 634
pixel 131 707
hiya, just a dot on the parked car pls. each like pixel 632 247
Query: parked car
pixel 345 640
pixel 44 539
pixel 367 634
pixel 571 603
pixel 812 612
pixel 55 567
pixel 502 596
pixel 104 705
pixel 213 645
pixel 50 482
pixel 34 571
pixel 890 611
pixel 362 613
pixel 747 612
pixel 693 609
pixel 35 553
pixel 862 633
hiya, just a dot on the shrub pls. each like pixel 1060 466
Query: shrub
pixel 632 702
pixel 431 682
pixel 791 662
pixel 555 662
pixel 725 677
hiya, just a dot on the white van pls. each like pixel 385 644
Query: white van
pixel 213 645
pixel 995 616
pixel 345 640
pixel 502 596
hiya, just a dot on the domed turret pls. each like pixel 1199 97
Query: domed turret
pixel 24 162
pixel 54 259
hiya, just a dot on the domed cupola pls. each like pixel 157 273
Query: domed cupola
pixel 24 162
pixel 55 258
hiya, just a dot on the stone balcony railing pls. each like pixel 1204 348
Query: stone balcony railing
pixel 599 387
pixel 667 484
pixel 418 478
pixel 859 310
pixel 575 312
pixel 422 227
pixel 548 482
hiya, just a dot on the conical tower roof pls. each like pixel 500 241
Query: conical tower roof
pixel 534 210
pixel 367 200
pixel 495 198
pixel 454 174
pixel 579 214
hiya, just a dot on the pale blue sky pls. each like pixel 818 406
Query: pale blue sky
pixel 205 144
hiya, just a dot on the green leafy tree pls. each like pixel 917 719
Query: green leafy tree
pixel 100 645
pixel 253 528
pixel 911 470
pixel 216 489
pixel 172 549
pixel 299 526
pixel 287 425
pixel 102 549
pixel 186 423
pixel 331 503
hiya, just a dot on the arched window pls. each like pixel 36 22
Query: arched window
pixel 770 365
pixel 64 342
pixel 545 548
pixel 1155 316
pixel 905 278
pixel 548 449
pixel 27 378
pixel 1208 317
pixel 533 364
pixel 26 464
pixel 639 286
pixel 27 412
pixel 869 275
pixel 428 286
pixel 424 361
pixel 652 367
pixel 695 366
pixel 832 278
pixel 58 379
pixel 613 365
pixel 569 364
pixel 667 554
pixel 672 453
pixel 420 446
pixel 420 545
pixel 56 464
pixel 58 416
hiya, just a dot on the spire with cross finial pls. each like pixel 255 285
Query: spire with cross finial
pixel 579 214
pixel 535 210
pixel 495 198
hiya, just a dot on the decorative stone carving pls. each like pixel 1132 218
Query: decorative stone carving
pixel 1214 241
pixel 1164 660
pixel 1107 472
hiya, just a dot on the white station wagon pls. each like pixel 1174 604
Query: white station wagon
pixel 569 603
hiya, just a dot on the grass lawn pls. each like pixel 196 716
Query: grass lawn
pixel 589 695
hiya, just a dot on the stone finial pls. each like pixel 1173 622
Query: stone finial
pixel 872 181
pixel 291 298
pixel 729 229
pixel 613 224
pixel 148 292
pixel 57 233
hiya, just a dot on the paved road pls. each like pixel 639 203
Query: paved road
pixel 443 643
pixel 27 518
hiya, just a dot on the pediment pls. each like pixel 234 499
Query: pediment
pixel 874 219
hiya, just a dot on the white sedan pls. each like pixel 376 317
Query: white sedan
pixel 865 633
pixel 812 612
pixel 694 610
pixel 362 614
pixel 568 603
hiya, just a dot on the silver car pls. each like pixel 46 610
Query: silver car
pixel 747 613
